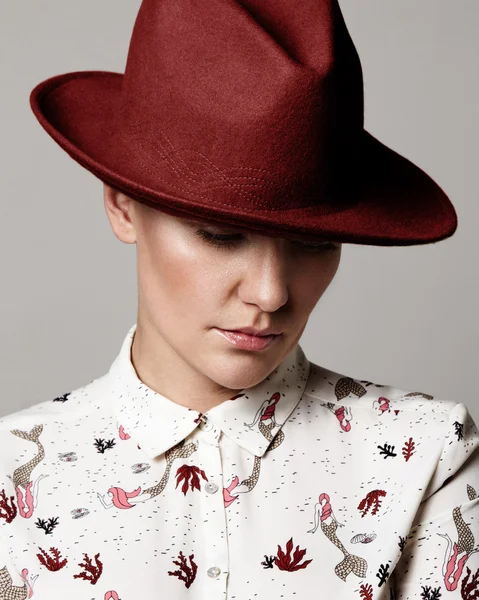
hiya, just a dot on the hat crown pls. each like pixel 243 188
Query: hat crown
pixel 246 112
pixel 208 83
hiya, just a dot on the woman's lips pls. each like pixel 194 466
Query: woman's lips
pixel 246 341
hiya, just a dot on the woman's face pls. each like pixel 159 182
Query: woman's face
pixel 188 286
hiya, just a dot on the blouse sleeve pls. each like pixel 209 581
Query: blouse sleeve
pixel 440 556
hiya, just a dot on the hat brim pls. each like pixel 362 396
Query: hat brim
pixel 396 203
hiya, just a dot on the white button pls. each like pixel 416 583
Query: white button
pixel 214 572
pixel 211 487
pixel 205 424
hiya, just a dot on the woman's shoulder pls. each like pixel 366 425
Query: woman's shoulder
pixel 409 419
pixel 337 387
pixel 63 407
pixel 48 429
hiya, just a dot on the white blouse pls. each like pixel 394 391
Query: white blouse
pixel 311 484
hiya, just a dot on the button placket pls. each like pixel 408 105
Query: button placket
pixel 215 547
pixel 205 423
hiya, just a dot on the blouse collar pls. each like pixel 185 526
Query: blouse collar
pixel 157 423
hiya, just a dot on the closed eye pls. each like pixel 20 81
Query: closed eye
pixel 229 240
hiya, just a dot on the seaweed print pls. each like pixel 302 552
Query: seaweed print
pixel 285 562
pixel 465 544
pixel 91 572
pixel 372 499
pixel 8 591
pixel 185 573
pixel 266 423
pixel 8 510
pixel 118 497
pixel 52 561
pixel 323 514
pixel 26 489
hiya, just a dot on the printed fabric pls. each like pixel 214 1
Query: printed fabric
pixel 311 484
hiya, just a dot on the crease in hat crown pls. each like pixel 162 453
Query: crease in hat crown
pixel 234 77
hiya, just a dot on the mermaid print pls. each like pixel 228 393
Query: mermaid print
pixel 8 591
pixel 346 500
pixel 117 496
pixel 266 412
pixel 345 386
pixel 382 405
pixel 123 435
pixel 265 417
pixel 459 551
pixel 343 415
pixel 324 516
pixel 27 489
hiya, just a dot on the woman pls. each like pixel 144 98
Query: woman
pixel 214 463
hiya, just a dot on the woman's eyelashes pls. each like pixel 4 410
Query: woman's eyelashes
pixel 229 240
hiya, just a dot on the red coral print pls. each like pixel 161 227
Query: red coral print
pixel 366 591
pixel 187 472
pixel 470 589
pixel 92 572
pixel 283 561
pixel 7 511
pixel 52 563
pixel 408 449
pixel 185 573
pixel 372 498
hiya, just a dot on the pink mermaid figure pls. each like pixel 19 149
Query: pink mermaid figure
pixel 29 581
pixel 123 434
pixel 324 517
pixel 118 497
pixel 268 406
pixel 323 512
pixel 26 488
pixel 228 497
pixel 465 547
pixel 12 592
pixel 343 414
pixel 265 417
pixel 382 404
pixel 111 595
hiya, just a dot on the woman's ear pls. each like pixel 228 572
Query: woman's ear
pixel 120 212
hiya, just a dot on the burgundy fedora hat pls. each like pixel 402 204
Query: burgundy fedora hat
pixel 249 113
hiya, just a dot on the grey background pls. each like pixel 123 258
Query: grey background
pixel 402 316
